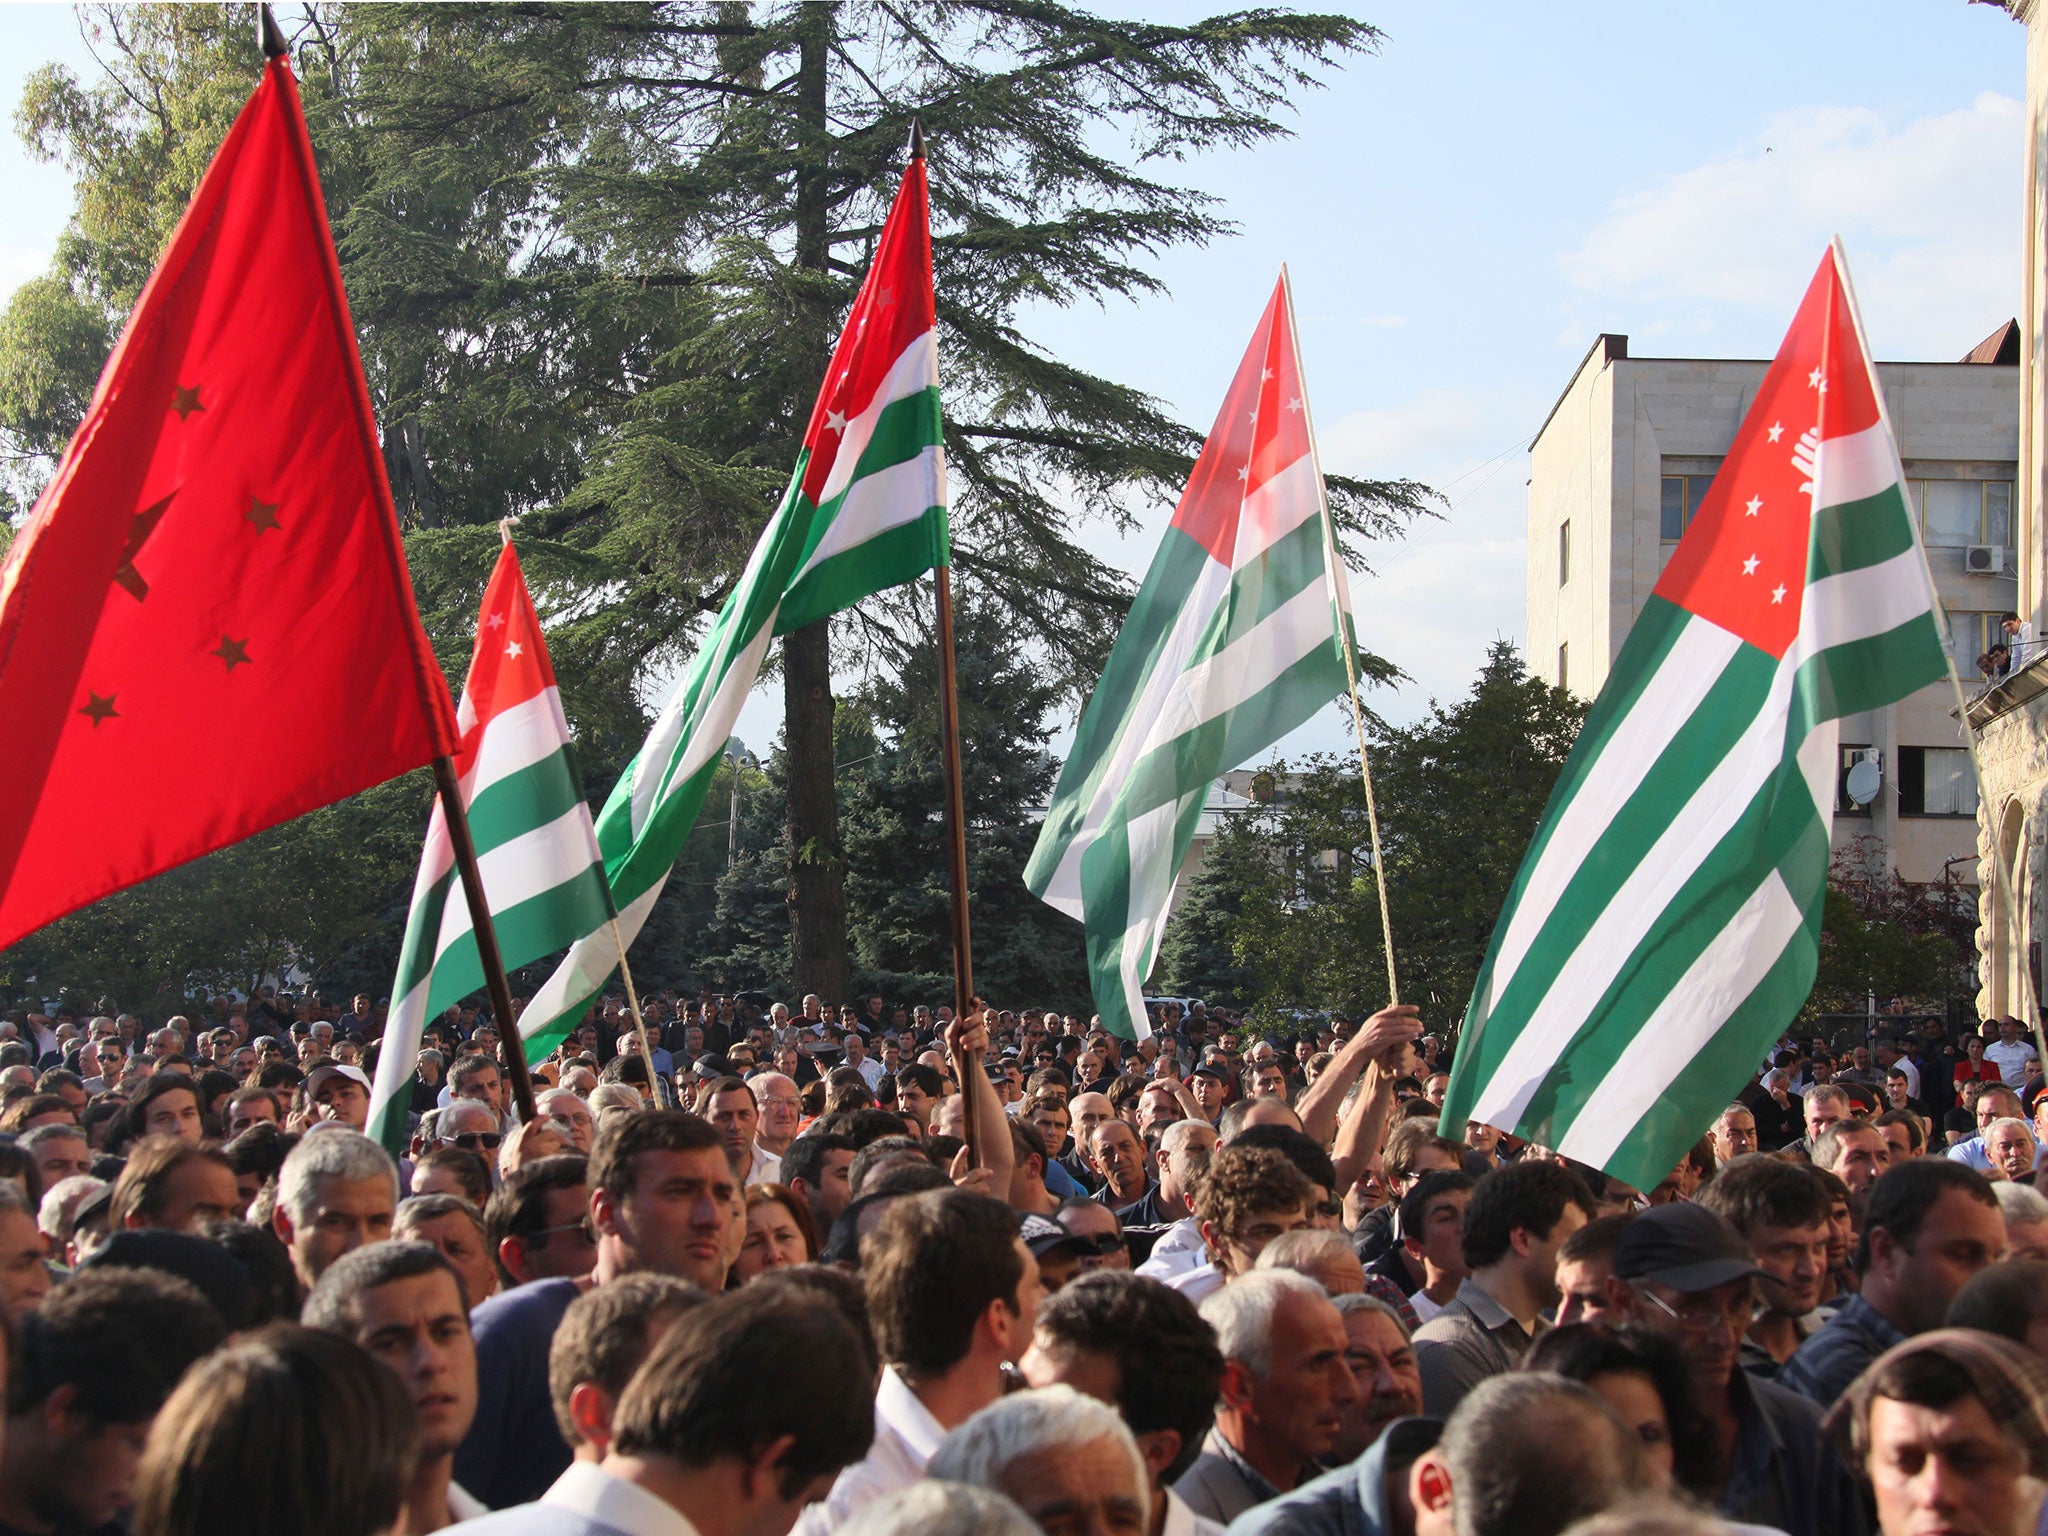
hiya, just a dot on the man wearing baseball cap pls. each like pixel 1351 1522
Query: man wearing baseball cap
pixel 339 1092
pixel 1058 1251
pixel 1686 1273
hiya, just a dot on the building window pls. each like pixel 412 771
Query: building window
pixel 1936 781
pixel 1564 552
pixel 1954 513
pixel 1848 757
pixel 1564 666
pixel 1682 497
pixel 1971 635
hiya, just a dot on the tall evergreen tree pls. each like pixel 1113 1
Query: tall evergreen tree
pixel 597 253
pixel 1198 957
pixel 1460 794
pixel 898 878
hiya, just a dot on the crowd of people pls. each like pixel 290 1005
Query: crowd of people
pixel 885 1271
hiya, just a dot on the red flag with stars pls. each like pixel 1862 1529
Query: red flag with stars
pixel 206 627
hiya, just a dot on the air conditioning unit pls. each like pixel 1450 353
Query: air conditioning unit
pixel 1984 559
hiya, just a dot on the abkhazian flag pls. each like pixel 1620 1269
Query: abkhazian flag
pixel 536 848
pixel 1664 927
pixel 865 510
pixel 1232 642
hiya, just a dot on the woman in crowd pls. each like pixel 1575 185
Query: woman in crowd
pixel 780 1233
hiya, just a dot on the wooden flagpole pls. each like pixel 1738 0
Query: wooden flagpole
pixel 464 848
pixel 1341 612
pixel 956 821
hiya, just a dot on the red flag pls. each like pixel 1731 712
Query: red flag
pixel 206 627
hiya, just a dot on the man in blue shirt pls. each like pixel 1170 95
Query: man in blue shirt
pixel 1930 1224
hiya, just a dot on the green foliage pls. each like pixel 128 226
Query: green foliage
pixel 595 254
pixel 1198 957
pixel 1459 797
pixel 1880 934
pixel 893 819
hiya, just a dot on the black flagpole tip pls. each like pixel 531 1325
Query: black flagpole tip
pixel 916 139
pixel 273 40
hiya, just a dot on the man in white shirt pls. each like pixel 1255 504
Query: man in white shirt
pixel 698 1448
pixel 952 1294
pixel 857 1057
pixel 1249 1196
pixel 729 1104
pixel 1184 1151
pixel 404 1304
pixel 2011 1053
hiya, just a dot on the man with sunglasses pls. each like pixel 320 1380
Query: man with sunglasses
pixel 470 1125
pixel 1684 1272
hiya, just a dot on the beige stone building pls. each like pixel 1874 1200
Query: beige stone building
pixel 1622 462
pixel 2012 720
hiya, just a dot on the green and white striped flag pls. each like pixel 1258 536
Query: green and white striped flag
pixel 1231 643
pixel 543 876
pixel 1664 928
pixel 865 510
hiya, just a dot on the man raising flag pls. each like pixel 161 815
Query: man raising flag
pixel 1233 641
pixel 536 848
pixel 865 510
pixel 1664 928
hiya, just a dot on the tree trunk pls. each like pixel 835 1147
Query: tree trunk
pixel 817 865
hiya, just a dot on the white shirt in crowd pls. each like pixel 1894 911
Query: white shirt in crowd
pixel 906 1439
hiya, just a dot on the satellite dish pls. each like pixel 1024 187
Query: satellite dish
pixel 1864 780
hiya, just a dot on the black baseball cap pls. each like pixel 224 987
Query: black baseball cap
pixel 1043 1235
pixel 1684 1246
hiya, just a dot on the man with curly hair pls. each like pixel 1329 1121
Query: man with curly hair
pixel 1249 1196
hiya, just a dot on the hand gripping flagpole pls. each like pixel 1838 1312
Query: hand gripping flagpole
pixel 1341 612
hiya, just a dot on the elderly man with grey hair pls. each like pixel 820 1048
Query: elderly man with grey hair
pixel 1525 1454
pixel 471 1125
pixel 2009 1149
pixel 337 1192
pixel 1286 1389
pixel 2026 1219
pixel 1325 1257
pixel 1380 1352
pixel 1734 1133
pixel 1065 1459
pixel 571 1116
pixel 933 1508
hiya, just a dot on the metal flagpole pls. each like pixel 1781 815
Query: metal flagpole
pixel 1341 611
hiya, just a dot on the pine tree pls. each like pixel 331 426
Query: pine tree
pixel 1198 957
pixel 596 254
pixel 897 870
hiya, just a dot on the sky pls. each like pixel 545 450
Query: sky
pixel 1465 210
